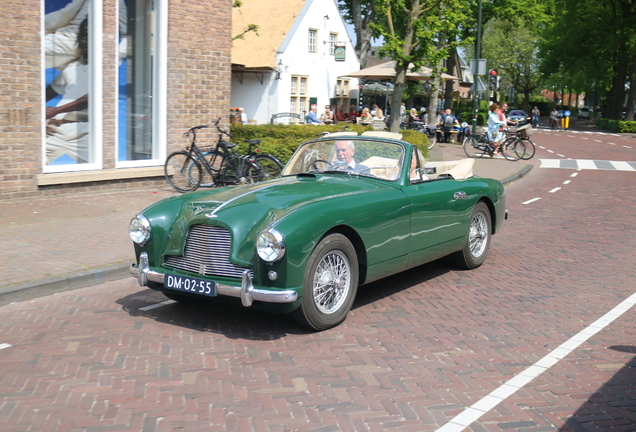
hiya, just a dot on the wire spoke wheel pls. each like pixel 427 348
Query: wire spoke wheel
pixel 529 149
pixel 332 281
pixel 478 234
pixel 182 172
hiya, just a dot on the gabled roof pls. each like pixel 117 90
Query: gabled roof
pixel 275 19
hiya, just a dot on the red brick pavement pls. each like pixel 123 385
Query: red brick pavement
pixel 417 349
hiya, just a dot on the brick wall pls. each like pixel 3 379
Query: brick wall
pixel 198 92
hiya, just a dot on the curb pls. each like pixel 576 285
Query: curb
pixel 522 173
pixel 55 284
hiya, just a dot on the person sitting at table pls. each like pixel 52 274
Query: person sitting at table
pixel 378 113
pixel 340 116
pixel 447 124
pixel 353 114
pixel 312 118
pixel 328 115
pixel 366 117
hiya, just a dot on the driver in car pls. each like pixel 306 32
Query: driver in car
pixel 344 154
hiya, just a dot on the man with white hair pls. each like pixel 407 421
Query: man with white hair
pixel 344 153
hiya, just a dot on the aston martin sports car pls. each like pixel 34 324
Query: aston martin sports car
pixel 347 210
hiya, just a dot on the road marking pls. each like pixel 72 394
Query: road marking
pixel 588 164
pixel 487 403
pixel 531 201
pixel 550 151
pixel 574 174
pixel 5 345
pixel 598 140
pixel 611 143
pixel 560 155
pixel 158 305
pixel 554 190
pixel 583 137
pixel 541 147
pixel 626 146
pixel 567 182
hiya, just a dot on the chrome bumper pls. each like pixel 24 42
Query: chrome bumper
pixel 246 291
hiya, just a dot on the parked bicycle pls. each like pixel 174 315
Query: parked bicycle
pixel 223 165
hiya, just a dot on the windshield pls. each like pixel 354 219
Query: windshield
pixel 517 113
pixel 375 159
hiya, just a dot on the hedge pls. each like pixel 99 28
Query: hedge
pixel 282 140
pixel 616 125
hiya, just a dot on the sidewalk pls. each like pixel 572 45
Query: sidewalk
pixel 63 243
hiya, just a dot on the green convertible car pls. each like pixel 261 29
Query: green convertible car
pixel 347 210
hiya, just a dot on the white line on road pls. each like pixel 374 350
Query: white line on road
pixel 554 190
pixel 542 148
pixel 550 151
pixel 598 140
pixel 5 345
pixel 560 155
pixel 531 201
pixel 158 305
pixel 567 182
pixel 487 403
pixel 611 143
pixel 626 146
pixel 574 174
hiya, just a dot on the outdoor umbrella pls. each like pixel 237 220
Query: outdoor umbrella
pixel 386 71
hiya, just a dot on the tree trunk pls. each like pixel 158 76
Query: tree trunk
pixel 398 91
pixel 617 93
pixel 448 94
pixel 434 99
pixel 362 31
pixel 631 97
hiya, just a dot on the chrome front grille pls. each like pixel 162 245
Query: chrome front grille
pixel 206 252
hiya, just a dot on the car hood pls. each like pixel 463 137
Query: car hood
pixel 248 209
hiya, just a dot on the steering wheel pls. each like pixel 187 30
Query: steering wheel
pixel 315 166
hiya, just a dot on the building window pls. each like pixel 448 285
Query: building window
pixel 313 36
pixel 342 94
pixel 68 38
pixel 298 100
pixel 333 38
pixel 137 51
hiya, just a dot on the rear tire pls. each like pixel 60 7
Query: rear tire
pixel 182 172
pixel 475 146
pixel 478 242
pixel 330 284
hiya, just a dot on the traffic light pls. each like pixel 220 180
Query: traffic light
pixel 360 99
pixel 493 83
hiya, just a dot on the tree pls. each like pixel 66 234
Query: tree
pixel 412 30
pixel 512 50
pixel 360 13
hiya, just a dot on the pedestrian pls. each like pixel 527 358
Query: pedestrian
pixel 243 115
pixel 554 116
pixel 495 123
pixel 535 116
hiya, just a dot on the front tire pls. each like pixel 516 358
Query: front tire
pixel 330 284
pixel 478 243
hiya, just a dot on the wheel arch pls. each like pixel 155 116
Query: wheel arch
pixel 493 214
pixel 358 244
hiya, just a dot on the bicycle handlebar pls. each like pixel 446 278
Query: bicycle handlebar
pixel 194 129
pixel 218 128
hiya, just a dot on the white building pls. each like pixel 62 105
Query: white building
pixel 291 61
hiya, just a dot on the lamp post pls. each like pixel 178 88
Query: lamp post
pixel 477 56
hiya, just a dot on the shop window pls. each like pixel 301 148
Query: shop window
pixel 68 26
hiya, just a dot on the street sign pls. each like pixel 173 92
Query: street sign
pixel 478 66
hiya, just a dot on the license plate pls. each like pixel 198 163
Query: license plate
pixel 190 285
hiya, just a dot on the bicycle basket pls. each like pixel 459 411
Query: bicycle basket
pixel 525 131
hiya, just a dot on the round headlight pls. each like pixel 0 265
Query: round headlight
pixel 139 229
pixel 270 245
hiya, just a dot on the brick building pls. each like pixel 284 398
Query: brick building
pixel 96 93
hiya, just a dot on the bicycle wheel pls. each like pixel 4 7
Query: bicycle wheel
pixel 507 149
pixel 214 159
pixel 432 140
pixel 270 166
pixel 182 171
pixel 529 149
pixel 475 146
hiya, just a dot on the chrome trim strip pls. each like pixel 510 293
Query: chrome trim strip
pixel 246 292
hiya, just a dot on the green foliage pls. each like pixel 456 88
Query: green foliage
pixel 619 126
pixel 282 140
